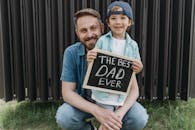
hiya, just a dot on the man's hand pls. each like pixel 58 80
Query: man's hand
pixel 108 119
pixel 137 66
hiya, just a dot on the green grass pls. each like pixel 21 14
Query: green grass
pixel 28 115
pixel 171 115
pixel 166 115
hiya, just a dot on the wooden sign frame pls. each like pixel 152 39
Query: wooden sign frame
pixel 89 70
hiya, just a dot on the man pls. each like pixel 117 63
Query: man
pixel 78 106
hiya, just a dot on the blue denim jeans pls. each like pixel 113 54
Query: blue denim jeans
pixel 71 118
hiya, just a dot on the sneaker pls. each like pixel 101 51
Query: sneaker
pixel 92 126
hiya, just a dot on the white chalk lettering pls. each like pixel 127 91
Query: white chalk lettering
pixel 120 74
pixel 118 84
pixel 124 63
pixel 100 71
pixel 102 58
pixel 112 72
pixel 107 60
pixel 109 83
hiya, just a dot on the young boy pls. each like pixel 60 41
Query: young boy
pixel 117 41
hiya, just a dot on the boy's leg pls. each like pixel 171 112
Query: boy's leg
pixel 136 118
pixel 71 118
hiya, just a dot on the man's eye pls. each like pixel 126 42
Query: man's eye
pixel 93 28
pixel 83 31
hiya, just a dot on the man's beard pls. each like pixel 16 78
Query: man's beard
pixel 90 45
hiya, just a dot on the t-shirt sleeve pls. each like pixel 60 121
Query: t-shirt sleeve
pixel 69 67
pixel 136 52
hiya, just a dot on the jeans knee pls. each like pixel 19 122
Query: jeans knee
pixel 69 118
pixel 136 118
pixel 141 122
pixel 61 119
pixel 136 123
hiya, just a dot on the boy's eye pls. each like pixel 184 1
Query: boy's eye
pixel 113 18
pixel 123 17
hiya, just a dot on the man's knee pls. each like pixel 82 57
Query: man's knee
pixel 141 121
pixel 136 118
pixel 63 116
pixel 70 118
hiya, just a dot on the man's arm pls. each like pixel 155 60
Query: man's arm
pixel 104 116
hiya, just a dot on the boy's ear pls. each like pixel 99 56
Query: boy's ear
pixel 107 22
pixel 131 22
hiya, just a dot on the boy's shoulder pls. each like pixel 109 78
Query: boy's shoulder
pixel 130 40
pixel 106 36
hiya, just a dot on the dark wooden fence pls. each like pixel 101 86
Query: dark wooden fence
pixel 34 34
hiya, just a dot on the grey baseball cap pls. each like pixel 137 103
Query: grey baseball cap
pixel 127 10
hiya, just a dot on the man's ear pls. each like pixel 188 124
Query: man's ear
pixel 102 28
pixel 76 31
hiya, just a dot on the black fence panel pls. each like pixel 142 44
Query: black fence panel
pixel 34 34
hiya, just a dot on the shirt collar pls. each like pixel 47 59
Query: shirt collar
pixel 127 37
pixel 81 50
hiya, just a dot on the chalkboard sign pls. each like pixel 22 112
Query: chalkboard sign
pixel 109 73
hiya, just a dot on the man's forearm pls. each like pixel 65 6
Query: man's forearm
pixel 79 102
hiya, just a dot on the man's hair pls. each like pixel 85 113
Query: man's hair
pixel 84 12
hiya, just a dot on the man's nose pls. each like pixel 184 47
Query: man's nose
pixel 89 33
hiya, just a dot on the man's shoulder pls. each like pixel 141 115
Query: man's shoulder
pixel 74 46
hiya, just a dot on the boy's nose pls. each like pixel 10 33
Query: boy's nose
pixel 118 21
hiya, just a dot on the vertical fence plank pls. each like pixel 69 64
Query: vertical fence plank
pixel 175 49
pixel 152 49
pixel 163 49
pixel 191 79
pixel 28 50
pixel 17 50
pixel 141 13
pixel 188 70
pixel 6 82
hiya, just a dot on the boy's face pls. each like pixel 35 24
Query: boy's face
pixel 118 24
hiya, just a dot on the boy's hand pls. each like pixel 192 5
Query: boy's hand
pixel 137 66
pixel 91 55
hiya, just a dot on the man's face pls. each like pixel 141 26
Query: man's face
pixel 88 30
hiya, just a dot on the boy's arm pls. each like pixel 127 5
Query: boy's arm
pixel 130 100
pixel 91 55
pixel 137 63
